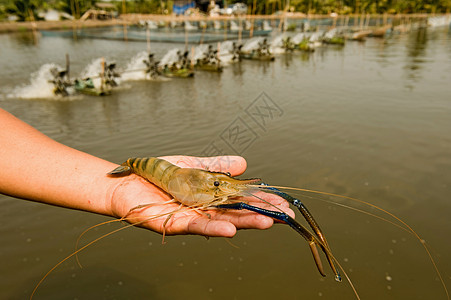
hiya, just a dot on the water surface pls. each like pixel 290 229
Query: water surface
pixel 370 120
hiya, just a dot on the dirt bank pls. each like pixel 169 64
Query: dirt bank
pixel 133 18
pixel 53 25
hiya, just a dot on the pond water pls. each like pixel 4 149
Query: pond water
pixel 370 120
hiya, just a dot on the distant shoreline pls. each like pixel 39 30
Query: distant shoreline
pixel 6 27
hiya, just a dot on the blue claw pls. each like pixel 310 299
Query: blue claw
pixel 310 220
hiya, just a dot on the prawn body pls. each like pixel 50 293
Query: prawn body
pixel 191 187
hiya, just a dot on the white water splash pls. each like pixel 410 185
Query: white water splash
pixel 226 47
pixel 174 24
pixel 39 86
pixel 235 27
pixel 189 26
pixel 316 36
pixel 170 57
pixel 298 38
pixel 200 51
pixel 135 69
pixel 217 25
pixel 266 25
pixel 252 44
pixel 225 52
pixel 151 25
pixel 278 41
pixel 277 44
pixel 247 25
pixel 331 33
pixel 93 71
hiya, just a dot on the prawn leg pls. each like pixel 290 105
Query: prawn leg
pixel 281 216
pixel 310 220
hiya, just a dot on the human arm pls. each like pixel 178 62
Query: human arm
pixel 35 167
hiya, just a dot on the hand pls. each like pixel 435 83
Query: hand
pixel 133 194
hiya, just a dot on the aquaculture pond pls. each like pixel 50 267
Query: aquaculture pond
pixel 369 120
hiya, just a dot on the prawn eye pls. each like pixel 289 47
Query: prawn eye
pixel 216 183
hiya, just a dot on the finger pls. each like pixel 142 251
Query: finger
pixel 221 223
pixel 187 223
pixel 214 228
pixel 245 219
pixel 235 165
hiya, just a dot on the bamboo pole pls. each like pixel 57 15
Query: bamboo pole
pixel 33 27
pixel 225 30
pixel 125 26
pixel 240 28
pixel 192 58
pixel 77 9
pixel 251 33
pixel 203 33
pixel 186 38
pixel 367 23
pixel 102 74
pixel 67 67
pixel 148 37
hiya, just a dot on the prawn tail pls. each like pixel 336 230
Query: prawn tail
pixel 121 170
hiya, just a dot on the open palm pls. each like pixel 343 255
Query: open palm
pixel 146 205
